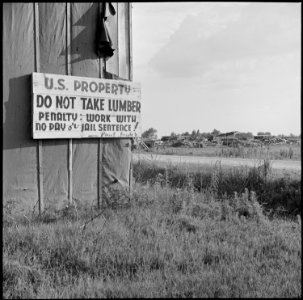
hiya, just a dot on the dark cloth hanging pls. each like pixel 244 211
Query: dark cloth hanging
pixel 104 43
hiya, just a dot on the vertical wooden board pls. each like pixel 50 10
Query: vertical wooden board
pixel 112 64
pixel 19 150
pixel 68 70
pixel 40 176
pixel 86 64
pixel 83 55
pixel 116 158
pixel 55 173
pixel 85 169
pixel 130 76
pixel 70 170
pixel 116 153
pixel 123 39
pixel 52 27
pixel 39 144
pixel 124 62
pixel 130 37
pixel 99 174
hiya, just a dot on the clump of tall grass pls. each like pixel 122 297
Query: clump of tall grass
pixel 278 195
pixel 286 153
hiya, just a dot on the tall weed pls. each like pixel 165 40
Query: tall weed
pixel 278 195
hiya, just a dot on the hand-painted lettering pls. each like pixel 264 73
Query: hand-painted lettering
pixel 44 101
pixel 92 104
pixel 123 105
pixel 48 83
pixel 61 85
pixel 65 102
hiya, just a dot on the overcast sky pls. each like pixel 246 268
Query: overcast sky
pixel 215 65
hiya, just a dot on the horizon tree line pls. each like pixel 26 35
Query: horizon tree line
pixel 196 134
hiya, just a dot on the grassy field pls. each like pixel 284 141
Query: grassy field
pixel 172 239
pixel 256 152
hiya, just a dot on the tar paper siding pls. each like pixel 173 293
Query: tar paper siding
pixel 59 38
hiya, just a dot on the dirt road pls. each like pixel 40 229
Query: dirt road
pixel 288 165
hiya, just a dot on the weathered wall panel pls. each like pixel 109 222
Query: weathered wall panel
pixel 83 26
pixel 116 153
pixel 112 64
pixel 52 36
pixel 116 159
pixel 123 40
pixel 19 150
pixel 86 64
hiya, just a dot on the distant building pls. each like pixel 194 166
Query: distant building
pixel 262 137
pixel 227 134
pixel 151 142
pixel 165 138
pixel 198 144
pixel 227 138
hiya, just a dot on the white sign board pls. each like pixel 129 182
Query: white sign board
pixel 80 107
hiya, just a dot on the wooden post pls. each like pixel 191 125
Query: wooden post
pixel 130 42
pixel 130 78
pixel 70 170
pixel 100 144
pixel 68 71
pixel 39 145
pixel 99 172
pixel 40 181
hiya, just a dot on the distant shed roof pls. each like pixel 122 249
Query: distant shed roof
pixel 227 133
